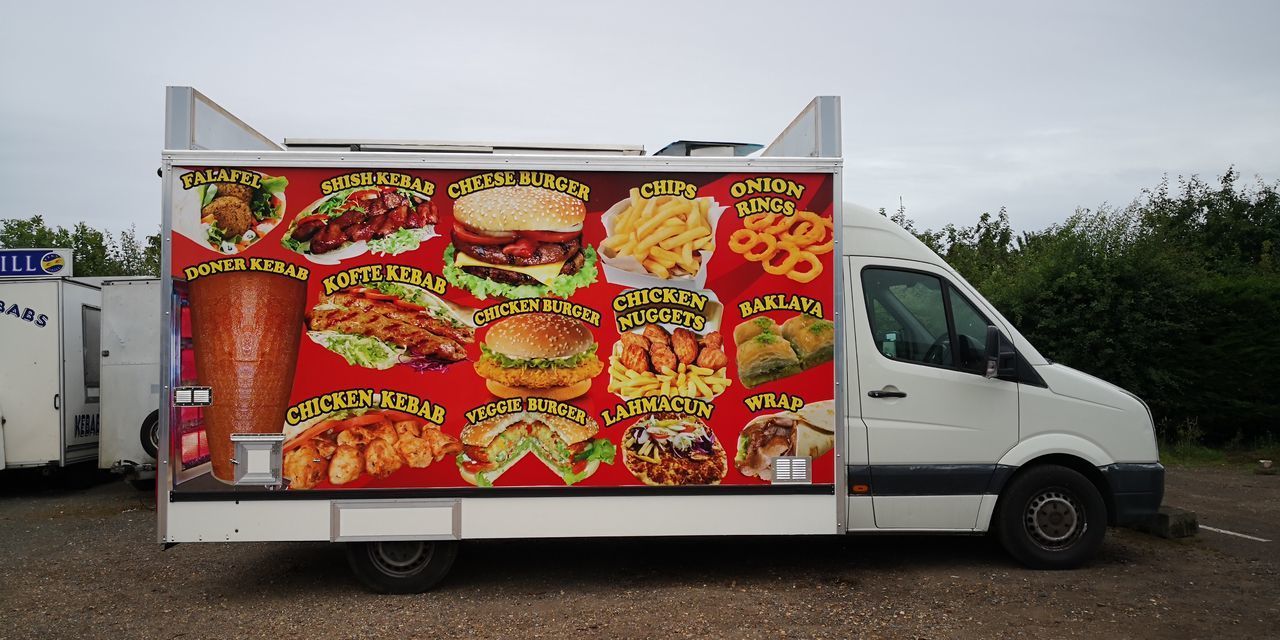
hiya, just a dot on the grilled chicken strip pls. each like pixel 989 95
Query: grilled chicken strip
pixel 464 335
pixel 370 322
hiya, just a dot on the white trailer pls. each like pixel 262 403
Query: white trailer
pixel 130 344
pixel 50 372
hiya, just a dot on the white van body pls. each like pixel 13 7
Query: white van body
pixel 49 373
pixel 130 374
pixel 973 433
pixel 938 457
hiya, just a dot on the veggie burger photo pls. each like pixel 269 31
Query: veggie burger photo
pixel 519 242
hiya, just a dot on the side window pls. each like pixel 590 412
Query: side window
pixel 908 316
pixel 971 333
pixel 89 327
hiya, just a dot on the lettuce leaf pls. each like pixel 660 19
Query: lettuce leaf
pixel 539 363
pixel 600 449
pixel 561 285
pixel 360 351
pixel 395 243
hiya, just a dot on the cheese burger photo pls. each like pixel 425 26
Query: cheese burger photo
pixel 673 449
pixel 519 242
pixel 809 432
pixel 543 355
pixel 491 447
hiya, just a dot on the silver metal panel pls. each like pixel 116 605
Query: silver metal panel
pixel 453 146
pixel 257 457
pixel 168 351
pixel 486 162
pixel 841 370
pixel 338 506
pixel 815 132
pixel 193 121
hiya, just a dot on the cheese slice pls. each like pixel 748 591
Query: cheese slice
pixel 542 273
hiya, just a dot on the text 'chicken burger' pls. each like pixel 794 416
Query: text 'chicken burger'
pixel 538 354
pixel 519 242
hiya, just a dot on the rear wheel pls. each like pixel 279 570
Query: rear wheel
pixel 410 566
pixel 149 434
pixel 1051 517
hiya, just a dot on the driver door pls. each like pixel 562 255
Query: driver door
pixel 935 426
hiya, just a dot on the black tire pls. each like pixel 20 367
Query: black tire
pixel 401 567
pixel 150 434
pixel 1051 517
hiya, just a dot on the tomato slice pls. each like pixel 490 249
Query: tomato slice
pixel 523 248
pixel 378 295
pixel 579 467
pixel 367 194
pixel 473 467
pixel 465 235
pixel 409 306
pixel 550 236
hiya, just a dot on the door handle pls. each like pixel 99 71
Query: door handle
pixel 57 402
pixel 883 393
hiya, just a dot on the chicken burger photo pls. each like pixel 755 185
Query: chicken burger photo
pixel 519 242
pixel 538 354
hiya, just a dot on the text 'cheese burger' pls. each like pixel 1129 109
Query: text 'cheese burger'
pixel 519 242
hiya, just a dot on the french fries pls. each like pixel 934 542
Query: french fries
pixel 685 380
pixel 666 235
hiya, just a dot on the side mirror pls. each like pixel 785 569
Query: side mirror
pixel 993 352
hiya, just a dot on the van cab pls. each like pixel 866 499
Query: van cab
pixel 957 423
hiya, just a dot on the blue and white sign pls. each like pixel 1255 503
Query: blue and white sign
pixel 27 263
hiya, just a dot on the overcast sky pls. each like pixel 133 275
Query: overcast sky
pixel 954 107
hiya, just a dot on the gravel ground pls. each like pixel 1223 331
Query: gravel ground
pixel 82 563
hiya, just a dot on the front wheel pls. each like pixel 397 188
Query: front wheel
pixel 410 566
pixel 1051 517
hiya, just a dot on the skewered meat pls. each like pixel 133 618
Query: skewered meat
pixel 369 217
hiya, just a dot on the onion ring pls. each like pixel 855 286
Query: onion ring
pixel 741 240
pixel 793 256
pixel 770 248
pixel 815 269
pixel 819 249
pixel 757 223
pixel 805 233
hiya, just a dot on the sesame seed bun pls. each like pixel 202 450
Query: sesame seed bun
pixel 520 209
pixel 538 335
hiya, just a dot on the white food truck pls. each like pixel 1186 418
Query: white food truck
pixel 130 342
pixel 361 346
pixel 50 372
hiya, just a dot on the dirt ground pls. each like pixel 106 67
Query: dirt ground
pixel 78 563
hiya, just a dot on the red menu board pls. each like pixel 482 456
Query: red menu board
pixel 449 328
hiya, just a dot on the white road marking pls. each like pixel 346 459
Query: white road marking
pixel 1232 533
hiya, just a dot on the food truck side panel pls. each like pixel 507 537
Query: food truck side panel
pixel 679 385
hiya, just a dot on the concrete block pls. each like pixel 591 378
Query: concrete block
pixel 1171 522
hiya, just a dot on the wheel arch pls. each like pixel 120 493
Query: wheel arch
pixel 1075 462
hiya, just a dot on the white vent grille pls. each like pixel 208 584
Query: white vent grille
pixel 192 396
pixel 791 470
